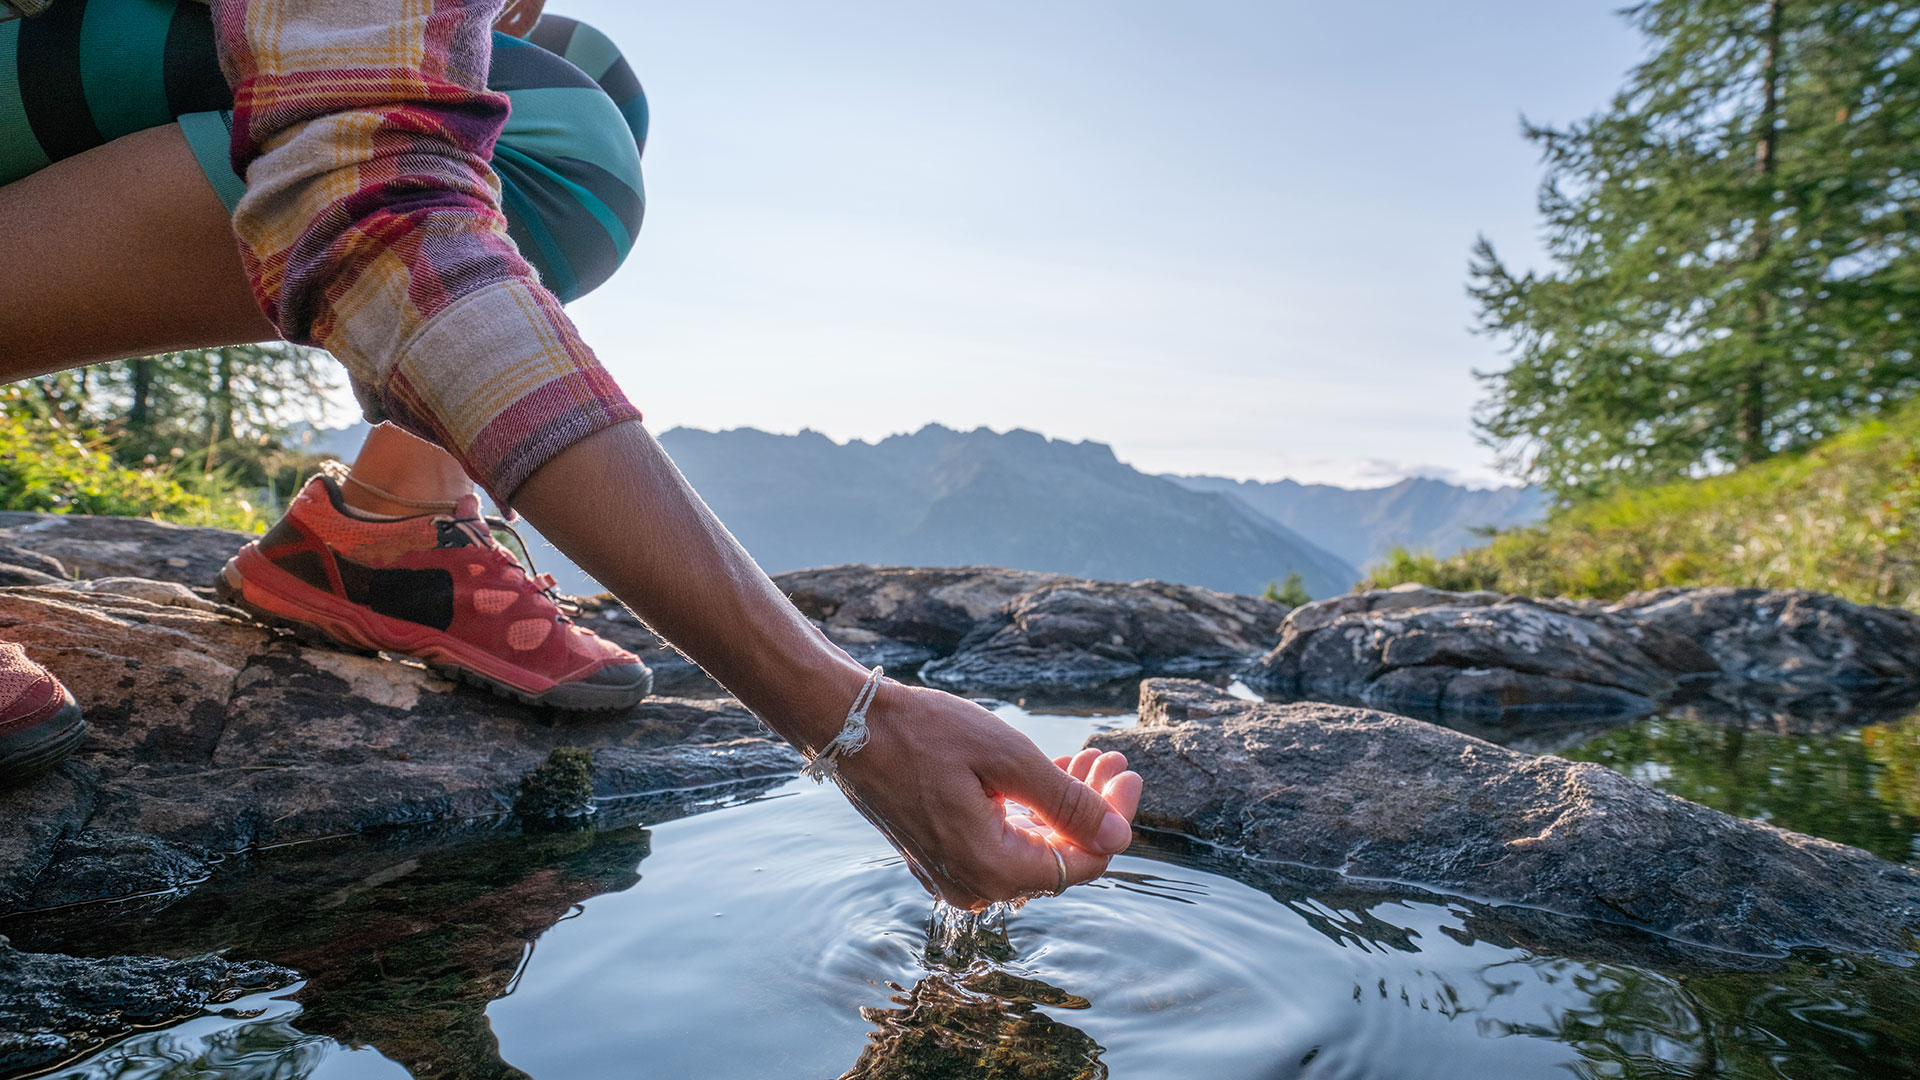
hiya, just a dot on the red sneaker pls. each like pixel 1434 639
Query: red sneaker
pixel 438 587
pixel 39 721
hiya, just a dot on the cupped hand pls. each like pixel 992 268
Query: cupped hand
pixel 974 805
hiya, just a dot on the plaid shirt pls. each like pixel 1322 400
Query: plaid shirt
pixel 371 226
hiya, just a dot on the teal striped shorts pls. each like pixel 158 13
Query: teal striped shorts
pixel 90 71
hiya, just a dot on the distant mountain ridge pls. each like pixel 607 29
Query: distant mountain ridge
pixel 940 497
pixel 1362 525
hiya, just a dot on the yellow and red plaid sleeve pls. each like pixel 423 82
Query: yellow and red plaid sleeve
pixel 371 226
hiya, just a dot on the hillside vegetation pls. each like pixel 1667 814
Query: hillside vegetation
pixel 50 468
pixel 1843 518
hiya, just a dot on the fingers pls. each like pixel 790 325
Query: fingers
pixel 1069 806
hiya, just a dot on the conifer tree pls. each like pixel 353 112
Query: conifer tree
pixel 1736 249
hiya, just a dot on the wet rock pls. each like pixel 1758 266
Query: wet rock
pixel 1430 652
pixel 54 1008
pixel 1390 799
pixel 987 629
pixel 210 734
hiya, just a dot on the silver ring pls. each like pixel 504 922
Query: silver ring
pixel 1060 861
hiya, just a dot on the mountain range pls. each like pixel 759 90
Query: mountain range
pixel 1362 525
pixel 940 497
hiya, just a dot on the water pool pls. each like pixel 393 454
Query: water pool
pixel 775 935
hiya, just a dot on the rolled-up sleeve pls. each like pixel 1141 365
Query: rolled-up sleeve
pixel 371 226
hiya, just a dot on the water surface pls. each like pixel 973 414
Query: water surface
pixel 778 936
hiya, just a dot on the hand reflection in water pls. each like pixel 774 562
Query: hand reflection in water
pixel 975 1014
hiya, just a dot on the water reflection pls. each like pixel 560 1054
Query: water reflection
pixel 974 1015
pixel 1854 787
pixel 403 953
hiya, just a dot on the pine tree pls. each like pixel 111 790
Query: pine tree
pixel 1736 249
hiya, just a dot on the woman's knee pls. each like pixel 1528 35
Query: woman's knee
pixel 569 166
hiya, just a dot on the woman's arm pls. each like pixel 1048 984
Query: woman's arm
pixel 937 767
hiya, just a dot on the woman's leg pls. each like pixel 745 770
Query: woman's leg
pixel 122 250
pixel 125 250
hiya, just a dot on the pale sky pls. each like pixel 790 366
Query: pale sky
pixel 1224 237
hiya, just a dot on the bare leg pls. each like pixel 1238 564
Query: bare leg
pixel 121 251
pixel 397 473
pixel 150 267
pixel 125 250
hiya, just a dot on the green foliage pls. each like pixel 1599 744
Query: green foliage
pixel 223 409
pixel 1292 592
pixel 1844 518
pixel 1736 258
pixel 180 436
pixel 49 467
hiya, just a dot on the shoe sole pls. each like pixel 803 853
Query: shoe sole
pixel 22 759
pixel 329 622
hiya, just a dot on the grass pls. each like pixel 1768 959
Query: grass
pixel 1843 518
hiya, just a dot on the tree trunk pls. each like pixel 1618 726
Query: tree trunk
pixel 219 406
pixel 1753 394
pixel 140 415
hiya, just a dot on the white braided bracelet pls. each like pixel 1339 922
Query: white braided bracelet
pixel 852 737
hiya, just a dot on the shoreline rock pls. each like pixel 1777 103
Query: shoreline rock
pixel 996 631
pixel 1394 800
pixel 58 1008
pixel 1430 652
pixel 210 734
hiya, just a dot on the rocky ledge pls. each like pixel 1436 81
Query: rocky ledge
pixel 1396 801
pixel 1426 651
pixel 983 629
pixel 211 734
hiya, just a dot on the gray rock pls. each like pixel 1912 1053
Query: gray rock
pixel 54 1008
pixel 986 629
pixel 88 546
pixel 210 734
pixel 1394 800
pixel 1786 636
pixel 1436 653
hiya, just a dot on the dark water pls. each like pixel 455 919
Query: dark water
pixel 777 936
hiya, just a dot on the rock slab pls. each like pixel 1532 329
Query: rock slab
pixel 993 630
pixel 210 734
pixel 1386 798
pixel 1430 651
pixel 58 1007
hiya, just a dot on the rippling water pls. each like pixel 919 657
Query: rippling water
pixel 780 937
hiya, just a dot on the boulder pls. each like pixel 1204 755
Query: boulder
pixel 1388 799
pixel 210 734
pixel 1431 652
pixel 1790 637
pixel 87 546
pixel 986 629
pixel 56 1008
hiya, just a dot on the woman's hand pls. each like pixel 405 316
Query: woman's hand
pixel 940 776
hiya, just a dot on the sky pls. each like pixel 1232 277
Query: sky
pixel 1223 236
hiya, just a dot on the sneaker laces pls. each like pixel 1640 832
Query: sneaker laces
pixel 522 556
pixel 481 528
